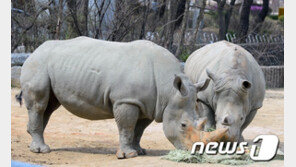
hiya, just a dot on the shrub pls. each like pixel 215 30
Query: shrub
pixel 184 55
pixel 281 18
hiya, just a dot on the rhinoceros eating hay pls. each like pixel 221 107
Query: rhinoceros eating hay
pixel 135 83
pixel 236 90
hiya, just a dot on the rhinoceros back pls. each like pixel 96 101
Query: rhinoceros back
pixel 89 77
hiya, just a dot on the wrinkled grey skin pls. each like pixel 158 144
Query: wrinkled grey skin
pixel 135 83
pixel 236 90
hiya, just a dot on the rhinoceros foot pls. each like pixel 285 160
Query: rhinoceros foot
pixel 128 154
pixel 39 148
pixel 140 151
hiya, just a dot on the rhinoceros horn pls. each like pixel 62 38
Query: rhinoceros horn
pixel 195 134
pixel 200 86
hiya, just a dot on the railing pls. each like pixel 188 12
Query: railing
pixel 267 49
pixel 210 37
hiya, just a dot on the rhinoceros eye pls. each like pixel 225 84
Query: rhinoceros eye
pixel 183 125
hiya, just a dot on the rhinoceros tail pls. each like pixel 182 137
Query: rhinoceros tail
pixel 18 98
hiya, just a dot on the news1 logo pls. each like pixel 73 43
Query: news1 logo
pixel 268 148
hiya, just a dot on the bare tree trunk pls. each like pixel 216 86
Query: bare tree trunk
pixel 119 8
pixel 158 15
pixel 125 19
pixel 199 19
pixel 28 6
pixel 59 22
pixel 171 26
pixel 102 9
pixel 145 16
pixel 244 20
pixel 228 15
pixel 71 4
pixel 222 32
pixel 51 24
pixel 180 10
pixel 19 4
pixel 261 16
pixel 25 29
pixel 85 18
pixel 162 12
pixel 183 28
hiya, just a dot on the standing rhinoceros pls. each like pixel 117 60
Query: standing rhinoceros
pixel 135 83
pixel 236 90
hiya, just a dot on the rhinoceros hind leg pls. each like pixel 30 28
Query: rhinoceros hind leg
pixel 126 116
pixel 139 129
pixel 36 94
pixel 52 105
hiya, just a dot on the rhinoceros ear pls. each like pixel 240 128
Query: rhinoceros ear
pixel 212 75
pixel 246 84
pixel 179 85
pixel 200 86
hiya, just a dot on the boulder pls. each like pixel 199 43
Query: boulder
pixel 15 76
pixel 18 59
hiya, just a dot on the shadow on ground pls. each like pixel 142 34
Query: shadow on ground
pixel 102 150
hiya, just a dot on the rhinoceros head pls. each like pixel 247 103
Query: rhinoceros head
pixel 230 102
pixel 180 113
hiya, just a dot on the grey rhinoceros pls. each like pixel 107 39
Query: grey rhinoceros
pixel 236 90
pixel 134 82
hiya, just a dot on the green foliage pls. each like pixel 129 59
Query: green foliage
pixel 281 18
pixel 279 157
pixel 184 55
pixel 210 21
pixel 211 129
pixel 231 32
pixel 277 26
pixel 70 33
pixel 211 13
pixel 273 17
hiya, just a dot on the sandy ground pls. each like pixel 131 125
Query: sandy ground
pixel 78 142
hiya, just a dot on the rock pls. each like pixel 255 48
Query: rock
pixel 18 59
pixel 15 76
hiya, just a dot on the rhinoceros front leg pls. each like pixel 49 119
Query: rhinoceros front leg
pixel 126 116
pixel 139 130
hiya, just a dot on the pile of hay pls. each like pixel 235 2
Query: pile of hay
pixel 185 156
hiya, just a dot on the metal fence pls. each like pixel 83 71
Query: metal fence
pixel 274 76
pixel 210 37
pixel 267 49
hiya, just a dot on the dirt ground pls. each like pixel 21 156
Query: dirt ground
pixel 78 142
